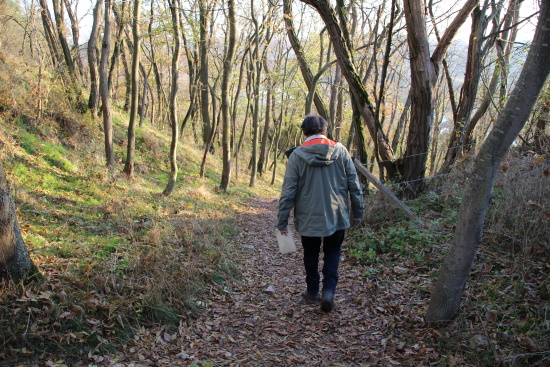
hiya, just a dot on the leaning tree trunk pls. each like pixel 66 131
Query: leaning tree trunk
pixel 76 35
pixel 302 62
pixel 446 296
pixel 60 25
pixel 504 45
pixel 468 92
pixel 340 41
pixel 49 32
pixel 15 262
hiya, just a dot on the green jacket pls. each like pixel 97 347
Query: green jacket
pixel 319 176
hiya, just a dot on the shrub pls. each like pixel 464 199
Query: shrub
pixel 520 212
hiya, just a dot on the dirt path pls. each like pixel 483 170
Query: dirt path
pixel 262 320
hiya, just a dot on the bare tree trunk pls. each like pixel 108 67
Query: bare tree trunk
pixel 424 72
pixel 15 262
pixel 468 92
pixel 256 60
pixel 76 35
pixel 446 296
pixel 119 16
pixel 213 131
pixel 386 61
pixel 130 152
pixel 174 5
pixel 60 25
pixel 267 123
pixel 504 45
pixel 302 62
pixel 342 49
pixel 360 138
pixel 49 32
pixel 203 77
pixel 93 101
pixel 104 88
pixel 227 70
pixel 401 124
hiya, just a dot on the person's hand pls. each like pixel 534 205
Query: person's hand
pixel 284 232
pixel 357 221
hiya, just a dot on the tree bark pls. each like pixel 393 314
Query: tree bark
pixel 469 88
pixel 174 5
pixel 93 101
pixel 343 52
pixel 226 123
pixel 504 46
pixel 446 296
pixel 76 36
pixel 60 25
pixel 257 62
pixel 267 123
pixel 50 33
pixel 15 262
pixel 424 72
pixel 203 76
pixel 131 148
pixel 302 62
pixel 120 19
pixel 104 88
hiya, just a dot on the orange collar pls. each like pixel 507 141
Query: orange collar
pixel 319 141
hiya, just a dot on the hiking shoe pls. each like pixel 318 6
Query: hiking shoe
pixel 310 297
pixel 327 301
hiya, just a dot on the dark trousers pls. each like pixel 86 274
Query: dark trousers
pixel 332 246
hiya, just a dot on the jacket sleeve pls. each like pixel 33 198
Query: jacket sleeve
pixel 288 192
pixel 354 188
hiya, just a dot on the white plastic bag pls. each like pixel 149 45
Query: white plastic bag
pixel 286 243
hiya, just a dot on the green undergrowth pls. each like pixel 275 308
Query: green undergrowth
pixel 505 314
pixel 114 252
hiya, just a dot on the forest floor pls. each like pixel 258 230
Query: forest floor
pixel 261 318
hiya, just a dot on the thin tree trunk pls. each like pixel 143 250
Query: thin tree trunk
pixel 203 77
pixel 174 5
pixel 93 101
pixel 208 146
pixel 267 123
pixel 227 70
pixel 60 25
pixel 446 296
pixel 256 96
pixel 131 148
pixel 50 33
pixel 504 46
pixel 424 72
pixel 342 49
pixel 468 92
pixel 119 16
pixel 302 62
pixel 104 88
pixel 76 35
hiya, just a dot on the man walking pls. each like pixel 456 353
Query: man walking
pixel 320 180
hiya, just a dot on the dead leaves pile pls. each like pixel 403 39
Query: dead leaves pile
pixel 261 318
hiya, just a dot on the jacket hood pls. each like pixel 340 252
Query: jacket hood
pixel 318 153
